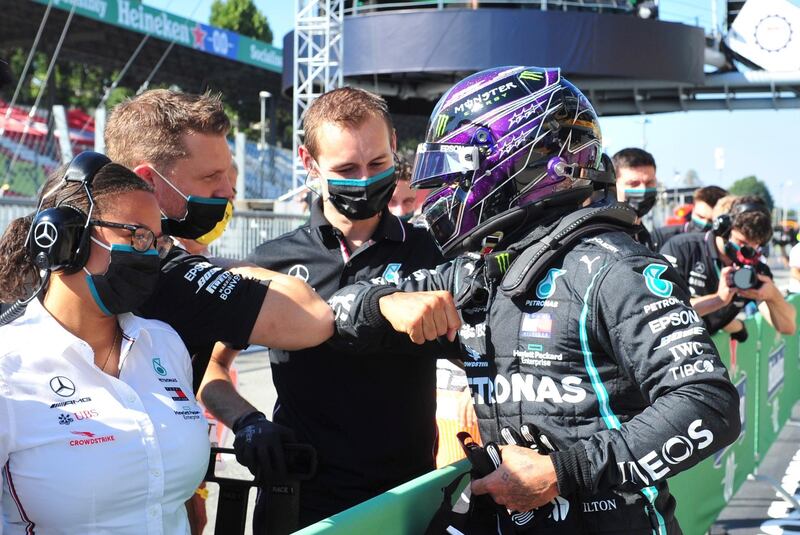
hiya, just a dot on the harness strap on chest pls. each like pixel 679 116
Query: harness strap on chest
pixel 534 253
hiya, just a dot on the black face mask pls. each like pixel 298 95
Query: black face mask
pixel 641 200
pixel 362 198
pixel 131 278
pixel 202 215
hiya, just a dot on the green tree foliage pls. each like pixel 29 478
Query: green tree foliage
pixel 751 185
pixel 76 85
pixel 241 16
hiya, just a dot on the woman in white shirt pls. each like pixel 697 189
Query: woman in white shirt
pixel 99 429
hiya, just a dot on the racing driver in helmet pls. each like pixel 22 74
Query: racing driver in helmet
pixel 570 331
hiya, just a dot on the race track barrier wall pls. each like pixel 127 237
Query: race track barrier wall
pixel 766 372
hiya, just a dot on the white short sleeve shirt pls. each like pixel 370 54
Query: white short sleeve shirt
pixel 85 452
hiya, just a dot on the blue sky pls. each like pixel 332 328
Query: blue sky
pixel 757 143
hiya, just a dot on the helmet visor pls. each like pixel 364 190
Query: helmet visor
pixel 436 161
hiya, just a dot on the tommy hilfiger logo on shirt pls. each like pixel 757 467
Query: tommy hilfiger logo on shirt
pixel 177 393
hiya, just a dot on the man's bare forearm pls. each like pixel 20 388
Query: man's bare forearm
pixel 707 304
pixel 217 391
pixel 292 315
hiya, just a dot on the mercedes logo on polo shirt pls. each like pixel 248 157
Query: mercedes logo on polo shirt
pixel 62 386
pixel 300 271
pixel 45 235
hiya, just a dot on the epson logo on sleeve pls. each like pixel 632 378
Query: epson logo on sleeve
pixel 673 319
pixel 196 269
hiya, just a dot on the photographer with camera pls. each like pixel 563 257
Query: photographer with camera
pixel 725 269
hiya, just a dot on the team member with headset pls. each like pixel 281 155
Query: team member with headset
pixel 567 323
pixel 99 430
pixel 725 269
pixel 176 142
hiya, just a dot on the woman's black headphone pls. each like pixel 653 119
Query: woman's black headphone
pixel 723 224
pixel 59 236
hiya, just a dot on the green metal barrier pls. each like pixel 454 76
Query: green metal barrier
pixel 405 509
pixel 702 492
pixel 766 372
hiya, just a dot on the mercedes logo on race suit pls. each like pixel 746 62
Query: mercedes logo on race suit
pixel 45 234
pixel 62 386
pixel 300 271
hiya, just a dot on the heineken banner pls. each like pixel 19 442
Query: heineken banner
pixel 135 16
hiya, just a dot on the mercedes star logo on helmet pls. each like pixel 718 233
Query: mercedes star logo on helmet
pixel 45 234
pixel 62 386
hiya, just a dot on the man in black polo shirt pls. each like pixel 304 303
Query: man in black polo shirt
pixel 176 142
pixel 707 262
pixel 371 417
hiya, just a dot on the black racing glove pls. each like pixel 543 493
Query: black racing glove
pixel 740 336
pixel 259 444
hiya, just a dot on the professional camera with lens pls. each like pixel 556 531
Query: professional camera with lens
pixel 745 277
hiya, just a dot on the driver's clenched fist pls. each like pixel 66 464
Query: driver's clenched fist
pixel 422 315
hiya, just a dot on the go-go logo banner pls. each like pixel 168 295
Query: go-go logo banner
pixel 133 15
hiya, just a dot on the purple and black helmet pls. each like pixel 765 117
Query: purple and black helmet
pixel 503 141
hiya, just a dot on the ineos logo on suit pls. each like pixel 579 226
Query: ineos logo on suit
pixel 62 386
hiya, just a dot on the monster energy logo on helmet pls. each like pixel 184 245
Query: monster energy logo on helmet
pixel 441 124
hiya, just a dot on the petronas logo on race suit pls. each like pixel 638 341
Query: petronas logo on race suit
pixel 547 286
pixel 652 278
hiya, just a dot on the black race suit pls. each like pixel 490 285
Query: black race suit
pixel 604 354
pixel 370 416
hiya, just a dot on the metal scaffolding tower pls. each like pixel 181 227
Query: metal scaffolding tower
pixel 318 55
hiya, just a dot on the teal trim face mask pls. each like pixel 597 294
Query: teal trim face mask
pixel 130 279
pixel 641 200
pixel 362 198
pixel 202 216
